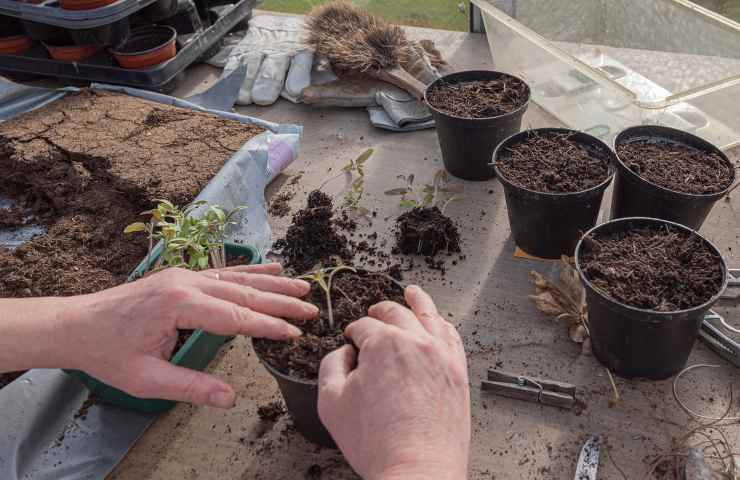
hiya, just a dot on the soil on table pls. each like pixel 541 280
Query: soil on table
pixel 426 231
pixel 678 167
pixel 479 98
pixel 313 238
pixel 272 411
pixel 280 205
pixel 552 163
pixel 656 268
pixel 352 295
pixel 88 165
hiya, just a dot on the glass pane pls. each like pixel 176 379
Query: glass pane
pixel 442 14
pixel 728 8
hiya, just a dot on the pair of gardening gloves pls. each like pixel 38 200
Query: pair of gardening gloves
pixel 278 63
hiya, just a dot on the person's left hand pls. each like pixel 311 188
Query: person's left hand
pixel 125 336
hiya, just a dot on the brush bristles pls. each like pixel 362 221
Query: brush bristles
pixel 355 41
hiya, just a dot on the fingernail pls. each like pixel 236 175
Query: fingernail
pixel 302 284
pixel 221 399
pixel 294 331
pixel 413 288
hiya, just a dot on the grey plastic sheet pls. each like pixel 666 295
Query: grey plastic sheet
pixel 42 435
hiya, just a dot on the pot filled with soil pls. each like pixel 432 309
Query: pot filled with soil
pixel 146 47
pixel 474 111
pixel 343 296
pixel 670 174
pixel 649 283
pixel 554 180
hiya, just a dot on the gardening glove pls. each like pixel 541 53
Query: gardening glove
pixel 278 63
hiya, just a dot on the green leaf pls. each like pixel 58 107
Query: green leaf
pixel 406 203
pixel 203 262
pixel 397 191
pixel 135 228
pixel 365 156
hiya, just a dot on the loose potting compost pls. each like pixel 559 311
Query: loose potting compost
pixel 566 338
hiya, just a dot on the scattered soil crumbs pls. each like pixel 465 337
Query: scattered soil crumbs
pixel 677 167
pixel 86 166
pixel 280 205
pixel 272 411
pixel 426 231
pixel 352 295
pixel 480 98
pixel 12 217
pixel 553 163
pixel 89 402
pixel 656 268
pixel 312 237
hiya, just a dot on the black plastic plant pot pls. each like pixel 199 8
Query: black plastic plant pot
pixel 108 35
pixel 635 196
pixel 467 143
pixel 634 342
pixel 302 400
pixel 41 32
pixel 549 225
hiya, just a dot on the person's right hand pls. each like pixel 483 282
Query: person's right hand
pixel 404 411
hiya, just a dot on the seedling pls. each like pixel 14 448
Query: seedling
pixel 323 278
pixel 426 196
pixel 354 173
pixel 195 243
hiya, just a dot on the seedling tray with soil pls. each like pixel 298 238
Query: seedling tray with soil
pixel 474 111
pixel 554 180
pixel 648 284
pixel 669 174
pixel 85 167
pixel 343 296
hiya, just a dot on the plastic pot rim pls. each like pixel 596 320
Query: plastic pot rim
pixel 647 221
pixel 172 38
pixel 618 140
pixel 523 107
pixel 277 373
pixel 559 195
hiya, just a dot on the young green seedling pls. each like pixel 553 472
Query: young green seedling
pixel 191 242
pixel 428 195
pixel 323 278
pixel 354 173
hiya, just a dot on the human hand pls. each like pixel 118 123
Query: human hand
pixel 404 411
pixel 125 336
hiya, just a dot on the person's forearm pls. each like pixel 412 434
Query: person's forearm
pixel 35 332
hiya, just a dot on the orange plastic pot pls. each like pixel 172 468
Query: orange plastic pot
pixel 146 47
pixel 72 53
pixel 84 4
pixel 14 45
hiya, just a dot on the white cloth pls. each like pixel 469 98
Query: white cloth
pixel 278 62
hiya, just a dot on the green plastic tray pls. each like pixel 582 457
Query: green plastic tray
pixel 197 352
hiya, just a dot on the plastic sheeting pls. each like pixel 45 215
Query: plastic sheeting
pixel 42 435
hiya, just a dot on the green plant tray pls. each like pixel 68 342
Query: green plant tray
pixel 197 352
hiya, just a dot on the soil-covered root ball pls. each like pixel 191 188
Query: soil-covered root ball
pixel 426 231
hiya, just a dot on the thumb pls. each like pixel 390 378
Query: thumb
pixel 170 382
pixel 334 370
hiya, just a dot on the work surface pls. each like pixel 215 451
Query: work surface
pixel 486 295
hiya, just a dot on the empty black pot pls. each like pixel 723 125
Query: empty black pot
pixel 633 342
pixel 549 225
pixel 636 197
pixel 467 144
pixel 302 399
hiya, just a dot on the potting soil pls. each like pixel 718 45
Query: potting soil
pixel 677 167
pixel 479 98
pixel 552 163
pixel 655 268
pixel 88 165
pixel 352 294
pixel 426 231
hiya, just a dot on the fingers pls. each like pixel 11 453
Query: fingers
pixel 170 382
pixel 272 304
pixel 223 317
pixel 363 329
pixel 263 268
pixel 426 312
pixel 268 283
pixel 394 314
pixel 335 367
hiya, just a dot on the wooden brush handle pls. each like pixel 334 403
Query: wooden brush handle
pixel 403 79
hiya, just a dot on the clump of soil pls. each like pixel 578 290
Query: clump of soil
pixel 552 163
pixel 352 295
pixel 656 268
pixel 89 402
pixel 272 411
pixel 426 231
pixel 85 167
pixel 677 167
pixel 312 237
pixel 280 205
pixel 12 217
pixel 480 98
